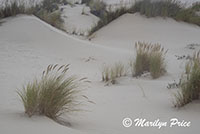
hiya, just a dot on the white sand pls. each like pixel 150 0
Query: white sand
pixel 28 45
pixel 80 24
pixel 78 19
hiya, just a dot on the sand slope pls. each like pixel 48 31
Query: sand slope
pixel 28 45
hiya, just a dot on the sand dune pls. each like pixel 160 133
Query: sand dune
pixel 28 45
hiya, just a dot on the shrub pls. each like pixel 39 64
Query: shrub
pixel 167 8
pixel 190 83
pixel 52 5
pixel 85 2
pixel 49 5
pixel 149 58
pixel 53 94
pixel 98 8
pixel 48 12
pixel 109 74
pixel 106 17
pixel 12 8
pixel 52 18
pixel 196 6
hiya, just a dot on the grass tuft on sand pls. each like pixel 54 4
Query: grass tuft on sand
pixel 111 73
pixel 149 58
pixel 53 94
pixel 190 83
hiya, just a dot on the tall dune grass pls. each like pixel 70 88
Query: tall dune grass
pixel 30 96
pixel 190 83
pixel 53 94
pixel 149 58
pixel 111 73
pixel 157 63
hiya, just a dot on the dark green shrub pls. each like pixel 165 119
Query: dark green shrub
pixel 86 2
pixel 50 5
pixel 98 8
pixel 196 6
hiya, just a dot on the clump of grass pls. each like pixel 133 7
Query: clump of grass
pixel 53 94
pixel 157 65
pixel 149 58
pixel 141 63
pixel 109 74
pixel 30 96
pixel 190 83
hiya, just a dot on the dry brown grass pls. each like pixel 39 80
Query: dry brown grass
pixel 149 58
pixel 53 94
pixel 110 73
pixel 190 83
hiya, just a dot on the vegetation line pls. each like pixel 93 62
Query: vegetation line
pixel 47 11
pixel 168 8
